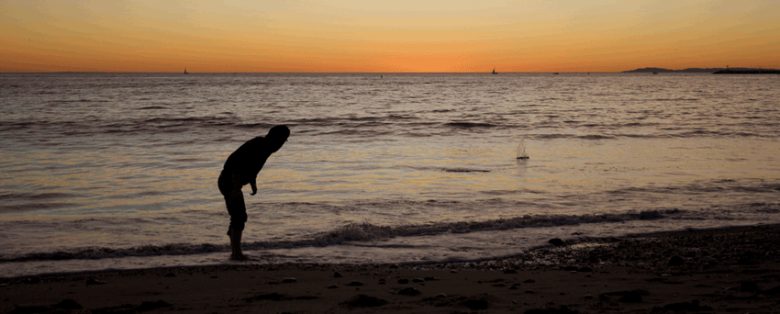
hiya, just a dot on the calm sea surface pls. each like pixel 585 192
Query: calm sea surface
pixel 118 171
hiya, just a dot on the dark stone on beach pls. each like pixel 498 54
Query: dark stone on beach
pixel 510 271
pixel 556 242
pixel 529 281
pixel 355 283
pixel 476 304
pixel 529 291
pixel 631 297
pixel 676 261
pixel 571 268
pixel 409 291
pixel 337 275
pixel 170 275
pixel 333 286
pixel 418 280
pixel 289 280
pixel 514 287
pixel 748 286
pixel 585 269
pixel 403 281
pixel 431 278
pixel 68 304
pixel 93 281
pixel 152 305
pixel 32 280
pixel 362 300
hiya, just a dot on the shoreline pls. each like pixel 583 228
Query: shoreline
pixel 719 270
pixel 532 251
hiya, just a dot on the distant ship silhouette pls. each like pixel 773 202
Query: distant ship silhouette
pixel 185 71
pixel 494 71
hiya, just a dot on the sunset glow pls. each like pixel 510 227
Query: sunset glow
pixel 397 36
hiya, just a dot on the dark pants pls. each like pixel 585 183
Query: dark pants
pixel 237 210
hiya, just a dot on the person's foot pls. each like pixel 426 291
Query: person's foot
pixel 239 257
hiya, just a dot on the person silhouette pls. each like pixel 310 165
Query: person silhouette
pixel 241 168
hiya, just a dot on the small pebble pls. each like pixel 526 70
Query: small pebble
pixel 93 281
pixel 409 291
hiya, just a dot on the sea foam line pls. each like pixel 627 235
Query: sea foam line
pixel 352 232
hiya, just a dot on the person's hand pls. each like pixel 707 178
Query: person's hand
pixel 254 191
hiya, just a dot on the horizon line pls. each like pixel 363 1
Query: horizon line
pixel 335 72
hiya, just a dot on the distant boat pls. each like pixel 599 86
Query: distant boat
pixel 654 73
pixel 494 71
pixel 556 73
pixel 185 71
pixel 521 150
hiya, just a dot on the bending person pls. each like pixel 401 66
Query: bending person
pixel 241 168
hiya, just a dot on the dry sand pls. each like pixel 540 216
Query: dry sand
pixel 720 271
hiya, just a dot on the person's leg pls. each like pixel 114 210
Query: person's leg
pixel 237 212
pixel 238 219
pixel 235 245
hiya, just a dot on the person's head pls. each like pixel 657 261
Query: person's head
pixel 277 136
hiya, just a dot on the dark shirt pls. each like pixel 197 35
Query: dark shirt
pixel 248 159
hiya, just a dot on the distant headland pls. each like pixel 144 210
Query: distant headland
pixel 708 70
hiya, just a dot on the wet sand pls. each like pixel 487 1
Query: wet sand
pixel 717 271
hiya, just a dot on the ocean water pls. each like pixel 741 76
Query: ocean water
pixel 119 171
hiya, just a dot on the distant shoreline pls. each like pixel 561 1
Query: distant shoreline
pixel 708 70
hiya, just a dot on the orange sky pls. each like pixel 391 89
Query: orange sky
pixel 399 36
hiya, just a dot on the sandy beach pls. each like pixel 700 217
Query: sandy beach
pixel 712 271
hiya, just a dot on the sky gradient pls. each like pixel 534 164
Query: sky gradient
pixel 391 36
